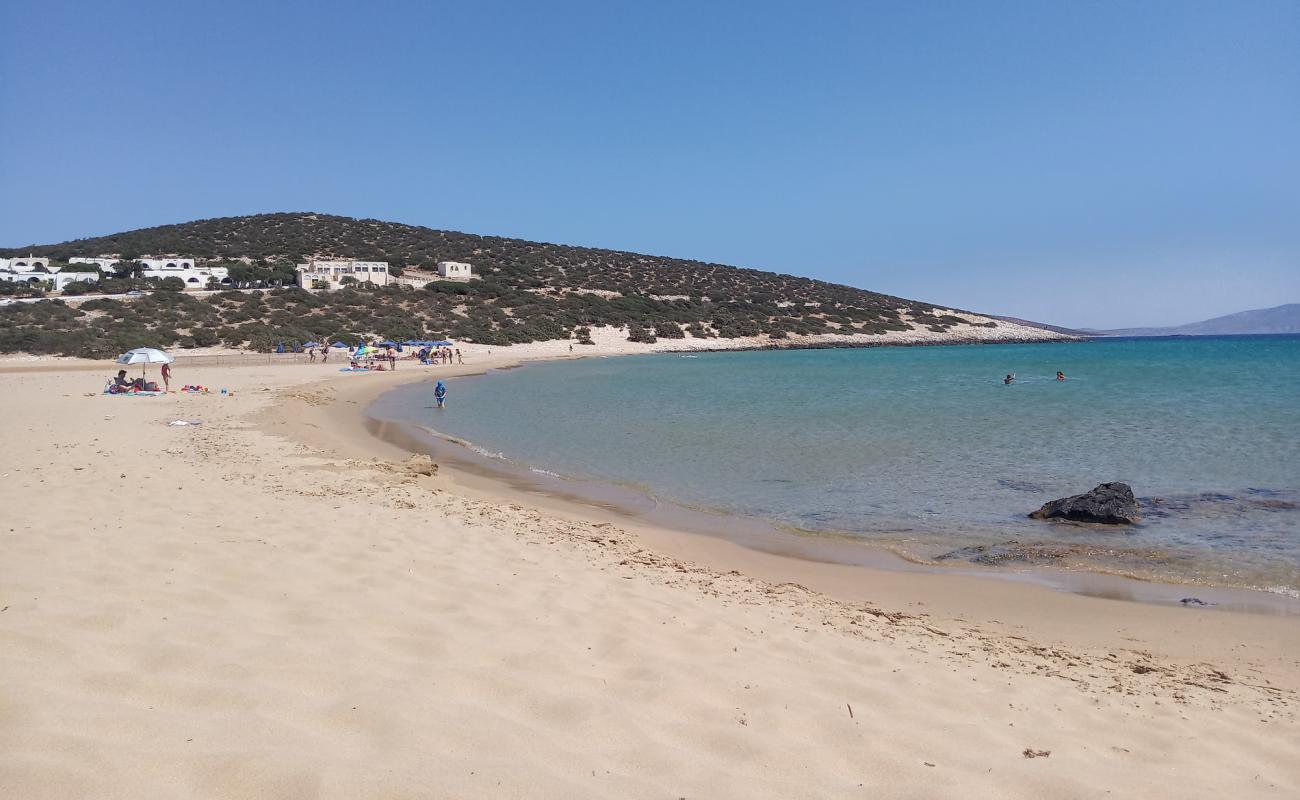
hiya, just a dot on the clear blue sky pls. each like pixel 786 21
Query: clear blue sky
pixel 1080 163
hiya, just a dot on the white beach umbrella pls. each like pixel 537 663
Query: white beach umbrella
pixel 144 355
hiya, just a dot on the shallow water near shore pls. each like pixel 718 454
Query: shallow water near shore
pixel 925 451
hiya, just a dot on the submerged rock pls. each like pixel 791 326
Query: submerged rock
pixel 1012 552
pixel 1109 504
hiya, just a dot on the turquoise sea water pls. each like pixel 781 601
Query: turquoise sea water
pixel 925 450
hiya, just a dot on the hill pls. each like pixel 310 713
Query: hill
pixel 528 291
pixel 1279 319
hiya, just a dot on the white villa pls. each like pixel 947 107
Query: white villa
pixel 37 269
pixel 55 277
pixel 105 263
pixel 455 270
pixel 193 275
pixel 333 271
pixel 25 264
pixel 63 277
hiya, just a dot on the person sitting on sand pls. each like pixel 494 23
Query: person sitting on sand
pixel 1010 379
pixel 122 384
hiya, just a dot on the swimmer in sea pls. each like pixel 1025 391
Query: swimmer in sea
pixel 1060 376
pixel 1010 379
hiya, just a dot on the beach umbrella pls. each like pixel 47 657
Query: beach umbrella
pixel 443 343
pixel 386 343
pixel 143 356
pixel 311 344
pixel 342 345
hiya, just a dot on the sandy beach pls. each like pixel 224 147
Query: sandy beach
pixel 274 603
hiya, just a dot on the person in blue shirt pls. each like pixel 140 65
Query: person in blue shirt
pixel 440 394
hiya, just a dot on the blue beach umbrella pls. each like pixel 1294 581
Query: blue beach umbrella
pixel 340 345
pixel 311 344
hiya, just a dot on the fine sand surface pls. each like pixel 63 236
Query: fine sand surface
pixel 276 604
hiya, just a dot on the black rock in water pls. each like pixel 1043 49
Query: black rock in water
pixel 1109 503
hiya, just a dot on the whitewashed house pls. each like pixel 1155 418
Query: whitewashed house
pixel 332 271
pixel 63 277
pixel 194 276
pixel 56 279
pixel 105 263
pixel 455 270
pixel 26 264
pixel 23 277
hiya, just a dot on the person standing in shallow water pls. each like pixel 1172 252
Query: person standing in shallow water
pixel 440 394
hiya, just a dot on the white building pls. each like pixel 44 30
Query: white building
pixel 105 263
pixel 62 278
pixel 23 277
pixel 55 280
pixel 193 275
pixel 455 270
pixel 333 271
pixel 166 263
pixel 26 264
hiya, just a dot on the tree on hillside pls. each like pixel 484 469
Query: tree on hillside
pixel 128 268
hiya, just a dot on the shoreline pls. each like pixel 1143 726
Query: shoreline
pixel 529 482
pixel 1020 605
pixel 522 483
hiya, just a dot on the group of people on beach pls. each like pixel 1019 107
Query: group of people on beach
pixel 427 355
pixel 121 384
pixel 1011 377
pixel 440 355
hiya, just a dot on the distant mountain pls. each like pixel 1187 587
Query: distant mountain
pixel 1280 319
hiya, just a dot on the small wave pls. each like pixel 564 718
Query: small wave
pixel 546 472
pixel 487 453
pixel 1285 591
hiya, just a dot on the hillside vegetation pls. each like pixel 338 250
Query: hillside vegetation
pixel 528 291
